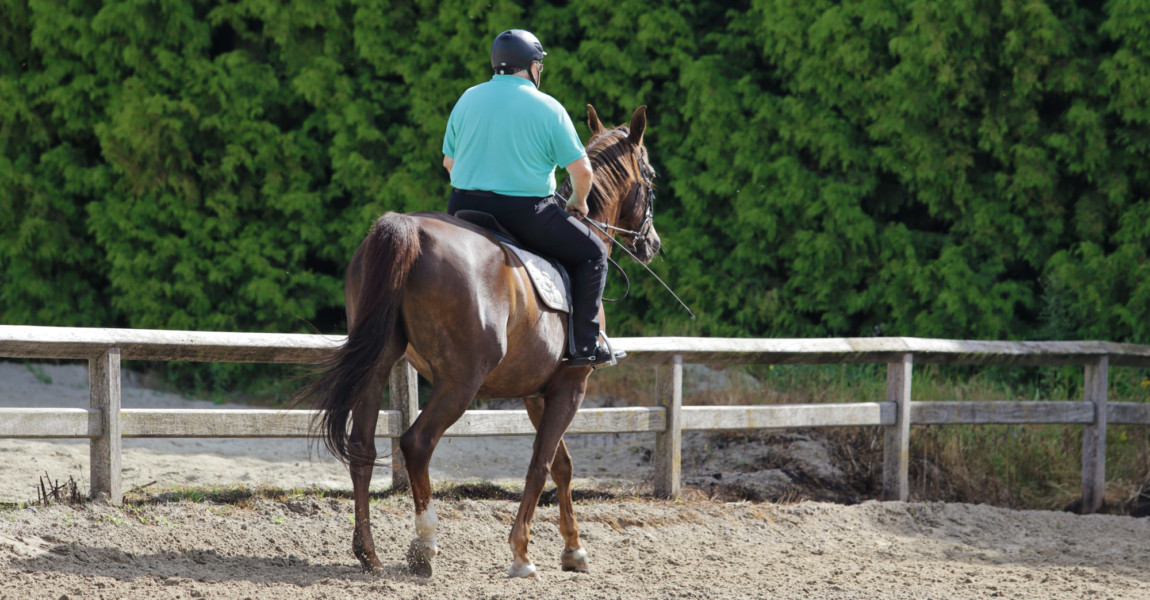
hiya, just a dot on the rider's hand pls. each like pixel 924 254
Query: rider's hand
pixel 577 208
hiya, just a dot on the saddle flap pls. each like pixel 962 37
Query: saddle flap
pixel 549 277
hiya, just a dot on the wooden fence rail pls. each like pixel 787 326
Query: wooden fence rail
pixel 106 424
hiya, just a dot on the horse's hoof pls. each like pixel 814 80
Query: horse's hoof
pixel 421 557
pixel 369 562
pixel 521 571
pixel 575 560
pixel 373 567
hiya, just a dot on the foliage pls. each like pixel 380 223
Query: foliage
pixel 927 169
pixel 898 167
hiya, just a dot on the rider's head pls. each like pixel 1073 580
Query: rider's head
pixel 517 50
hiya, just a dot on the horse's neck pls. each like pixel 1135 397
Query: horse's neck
pixel 606 211
pixel 564 189
pixel 609 214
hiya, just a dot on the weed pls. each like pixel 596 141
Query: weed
pixel 194 496
pixel 37 371
pixel 68 517
pixel 49 491
pixel 113 519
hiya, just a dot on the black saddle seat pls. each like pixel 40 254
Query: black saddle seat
pixel 488 221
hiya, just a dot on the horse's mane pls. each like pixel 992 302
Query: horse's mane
pixel 608 154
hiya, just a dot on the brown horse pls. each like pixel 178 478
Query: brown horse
pixel 445 294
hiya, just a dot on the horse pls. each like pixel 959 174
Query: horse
pixel 445 294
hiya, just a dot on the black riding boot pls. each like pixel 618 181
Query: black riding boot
pixel 587 282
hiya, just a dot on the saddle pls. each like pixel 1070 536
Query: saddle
pixel 547 275
pixel 551 281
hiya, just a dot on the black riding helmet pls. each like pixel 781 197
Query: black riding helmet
pixel 515 49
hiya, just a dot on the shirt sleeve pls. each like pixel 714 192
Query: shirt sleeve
pixel 449 136
pixel 565 144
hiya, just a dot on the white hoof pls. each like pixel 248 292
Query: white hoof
pixel 575 560
pixel 525 570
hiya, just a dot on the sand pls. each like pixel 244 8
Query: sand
pixel 639 547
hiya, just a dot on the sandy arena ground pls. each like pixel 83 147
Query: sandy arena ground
pixel 639 548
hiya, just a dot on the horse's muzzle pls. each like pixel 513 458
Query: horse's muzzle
pixel 647 247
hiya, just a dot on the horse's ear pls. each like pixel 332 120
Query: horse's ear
pixel 638 124
pixel 593 121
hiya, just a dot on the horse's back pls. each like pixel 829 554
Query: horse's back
pixel 470 311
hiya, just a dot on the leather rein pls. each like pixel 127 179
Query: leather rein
pixel 644 226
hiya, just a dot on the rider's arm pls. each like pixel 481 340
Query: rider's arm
pixel 448 162
pixel 582 178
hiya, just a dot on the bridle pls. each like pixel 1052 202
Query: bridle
pixel 645 227
pixel 648 221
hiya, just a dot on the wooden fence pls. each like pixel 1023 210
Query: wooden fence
pixel 105 423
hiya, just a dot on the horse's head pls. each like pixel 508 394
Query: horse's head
pixel 623 195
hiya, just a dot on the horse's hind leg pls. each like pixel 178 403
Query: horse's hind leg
pixel 361 445
pixel 574 557
pixel 448 402
pixel 563 397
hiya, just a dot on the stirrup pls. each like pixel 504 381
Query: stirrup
pixel 602 356
pixel 616 356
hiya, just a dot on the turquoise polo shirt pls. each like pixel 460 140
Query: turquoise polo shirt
pixel 507 137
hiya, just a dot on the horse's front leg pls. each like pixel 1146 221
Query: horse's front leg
pixel 563 397
pixel 574 557
pixel 362 448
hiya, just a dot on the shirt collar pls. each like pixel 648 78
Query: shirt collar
pixel 512 79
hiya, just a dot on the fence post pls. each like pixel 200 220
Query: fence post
pixel 896 440
pixel 104 396
pixel 405 399
pixel 1094 437
pixel 669 443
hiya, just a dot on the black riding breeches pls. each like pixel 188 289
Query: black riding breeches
pixel 545 227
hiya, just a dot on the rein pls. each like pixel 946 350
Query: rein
pixel 613 228
pixel 601 227
pixel 626 280
pixel 609 227
pixel 647 223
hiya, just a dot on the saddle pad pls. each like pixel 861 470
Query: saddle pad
pixel 547 279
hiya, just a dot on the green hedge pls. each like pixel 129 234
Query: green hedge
pixel 969 169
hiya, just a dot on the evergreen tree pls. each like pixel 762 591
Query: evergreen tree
pixel 970 169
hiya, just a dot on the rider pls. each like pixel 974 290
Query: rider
pixel 503 142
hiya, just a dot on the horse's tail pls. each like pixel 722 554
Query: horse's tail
pixel 379 271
